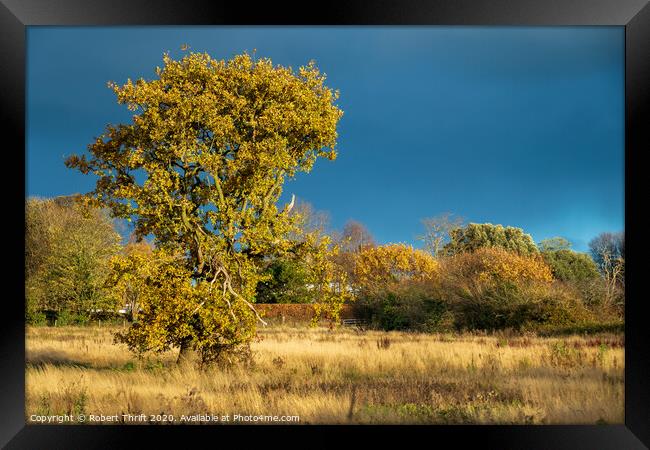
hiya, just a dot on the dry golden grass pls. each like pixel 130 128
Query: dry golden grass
pixel 339 376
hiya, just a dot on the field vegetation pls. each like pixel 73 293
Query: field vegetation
pixel 339 377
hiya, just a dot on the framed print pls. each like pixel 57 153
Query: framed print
pixel 369 220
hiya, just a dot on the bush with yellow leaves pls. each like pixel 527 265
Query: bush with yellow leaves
pixel 380 268
pixel 491 288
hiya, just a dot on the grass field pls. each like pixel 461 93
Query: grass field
pixel 340 376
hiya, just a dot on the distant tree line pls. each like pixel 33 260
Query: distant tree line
pixel 489 276
pixel 467 276
pixel 67 252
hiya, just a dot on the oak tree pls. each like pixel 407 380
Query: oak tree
pixel 201 169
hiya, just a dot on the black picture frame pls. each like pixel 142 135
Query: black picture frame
pixel 634 15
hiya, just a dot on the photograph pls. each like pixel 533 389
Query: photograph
pixel 325 225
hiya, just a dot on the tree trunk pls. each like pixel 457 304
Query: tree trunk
pixel 186 353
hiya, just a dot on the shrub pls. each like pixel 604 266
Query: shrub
pixel 579 273
pixel 495 266
pixel 36 318
pixel 600 299
pixel 525 306
pixel 67 317
pixel 406 306
pixel 557 305
pixel 492 289
pixel 487 289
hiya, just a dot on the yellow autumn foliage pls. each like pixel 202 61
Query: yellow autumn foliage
pixel 171 307
pixel 201 168
pixel 382 267
pixel 496 265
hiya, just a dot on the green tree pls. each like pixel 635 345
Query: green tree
pixel 67 251
pixel 485 235
pixel 289 275
pixel 553 244
pixel 288 283
pixel 37 239
pixel 568 265
pixel 201 168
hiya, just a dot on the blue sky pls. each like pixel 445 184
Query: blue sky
pixel 510 125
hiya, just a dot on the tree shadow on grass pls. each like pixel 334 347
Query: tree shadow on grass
pixel 39 359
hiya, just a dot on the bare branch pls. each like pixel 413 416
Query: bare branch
pixel 290 206
pixel 232 291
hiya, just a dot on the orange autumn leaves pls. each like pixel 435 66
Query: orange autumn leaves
pixel 496 265
pixel 383 267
